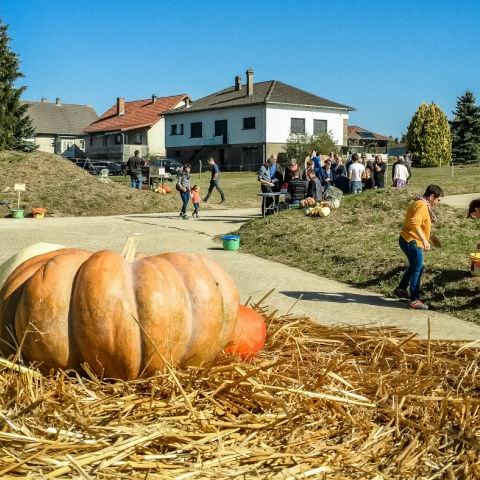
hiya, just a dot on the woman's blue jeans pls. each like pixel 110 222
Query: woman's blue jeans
pixel 413 274
pixel 185 199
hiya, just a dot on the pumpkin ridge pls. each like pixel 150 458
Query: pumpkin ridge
pixel 186 321
pixel 190 318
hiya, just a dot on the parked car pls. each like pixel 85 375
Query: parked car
pixel 95 166
pixel 172 165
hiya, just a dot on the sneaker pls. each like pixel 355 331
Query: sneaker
pixel 185 217
pixel 418 305
pixel 400 293
pixel 205 200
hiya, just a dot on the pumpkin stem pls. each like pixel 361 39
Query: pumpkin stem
pixel 129 249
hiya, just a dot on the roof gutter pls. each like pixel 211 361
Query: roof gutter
pixel 346 107
pixel 189 110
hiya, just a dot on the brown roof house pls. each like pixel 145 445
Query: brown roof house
pixel 362 140
pixel 59 126
pixel 129 126
pixel 244 123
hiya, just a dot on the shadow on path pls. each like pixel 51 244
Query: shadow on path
pixel 346 298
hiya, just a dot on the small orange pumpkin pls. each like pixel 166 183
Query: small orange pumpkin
pixel 167 189
pixel 123 316
pixel 249 334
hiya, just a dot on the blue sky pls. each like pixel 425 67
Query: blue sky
pixel 383 58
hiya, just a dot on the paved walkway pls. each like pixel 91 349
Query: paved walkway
pixel 325 300
pixel 460 201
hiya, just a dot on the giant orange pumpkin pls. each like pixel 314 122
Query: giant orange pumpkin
pixel 124 318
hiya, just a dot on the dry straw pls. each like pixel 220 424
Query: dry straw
pixel 332 402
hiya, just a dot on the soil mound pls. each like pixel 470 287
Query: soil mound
pixel 64 189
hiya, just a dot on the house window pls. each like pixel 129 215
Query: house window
pixel 82 144
pixel 176 129
pixel 91 141
pixel 118 139
pixel 297 125
pixel 248 123
pixel 319 127
pixel 196 130
pixel 105 140
pixel 139 139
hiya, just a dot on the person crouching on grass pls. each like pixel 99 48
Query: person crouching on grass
pixel 195 194
pixel 414 240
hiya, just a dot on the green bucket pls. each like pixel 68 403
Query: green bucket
pixel 17 213
pixel 231 242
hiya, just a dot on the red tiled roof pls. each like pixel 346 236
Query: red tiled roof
pixel 139 113
pixel 355 133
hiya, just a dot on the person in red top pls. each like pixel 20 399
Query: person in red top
pixel 195 194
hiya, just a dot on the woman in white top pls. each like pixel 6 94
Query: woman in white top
pixel 400 175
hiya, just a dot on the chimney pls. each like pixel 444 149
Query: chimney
pixel 154 98
pixel 238 82
pixel 120 106
pixel 187 102
pixel 249 82
pixel 57 101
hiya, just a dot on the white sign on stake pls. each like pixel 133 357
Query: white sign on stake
pixel 19 187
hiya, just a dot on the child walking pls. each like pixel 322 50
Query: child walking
pixel 195 194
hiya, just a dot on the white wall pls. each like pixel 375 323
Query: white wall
pixel 156 138
pixel 278 121
pixel 45 143
pixel 234 116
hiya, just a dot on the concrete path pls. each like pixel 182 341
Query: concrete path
pixel 325 300
pixel 460 201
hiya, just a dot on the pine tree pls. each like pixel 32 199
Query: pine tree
pixel 466 130
pixel 15 125
pixel 428 136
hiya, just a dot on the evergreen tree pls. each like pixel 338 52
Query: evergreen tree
pixel 428 136
pixel 15 125
pixel 466 130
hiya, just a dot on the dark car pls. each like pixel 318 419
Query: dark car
pixel 171 165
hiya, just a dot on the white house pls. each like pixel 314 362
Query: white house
pixel 129 126
pixel 243 124
pixel 58 127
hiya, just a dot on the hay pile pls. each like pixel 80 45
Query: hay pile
pixel 329 402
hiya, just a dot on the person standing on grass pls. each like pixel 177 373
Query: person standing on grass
pixel 414 240
pixel 314 187
pixel 134 168
pixel 400 174
pixel 266 185
pixel 356 172
pixel 183 186
pixel 214 181
pixel 379 168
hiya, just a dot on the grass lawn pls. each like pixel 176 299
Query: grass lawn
pixel 358 243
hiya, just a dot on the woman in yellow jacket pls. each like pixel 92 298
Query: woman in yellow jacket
pixel 414 240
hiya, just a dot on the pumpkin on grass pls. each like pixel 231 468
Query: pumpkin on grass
pixel 124 316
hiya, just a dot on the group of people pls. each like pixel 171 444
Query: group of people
pixel 188 192
pixel 315 177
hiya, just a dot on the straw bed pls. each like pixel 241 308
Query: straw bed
pixel 331 402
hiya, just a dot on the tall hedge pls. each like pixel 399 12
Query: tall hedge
pixel 428 136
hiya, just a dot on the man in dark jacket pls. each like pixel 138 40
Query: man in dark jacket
pixel 326 174
pixel 314 188
pixel 134 168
